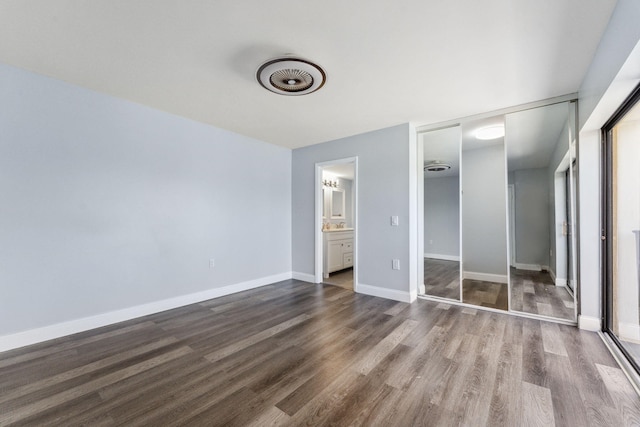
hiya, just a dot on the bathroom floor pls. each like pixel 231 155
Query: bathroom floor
pixel 342 278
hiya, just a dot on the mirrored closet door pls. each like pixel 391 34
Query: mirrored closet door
pixel 441 150
pixel 541 209
pixel 484 220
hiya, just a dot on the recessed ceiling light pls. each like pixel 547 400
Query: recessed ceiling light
pixel 490 132
pixel 291 76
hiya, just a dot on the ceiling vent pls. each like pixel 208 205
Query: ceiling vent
pixel 291 76
pixel 436 166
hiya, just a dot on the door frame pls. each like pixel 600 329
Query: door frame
pixel 319 252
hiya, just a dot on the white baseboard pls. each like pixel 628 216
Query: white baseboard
pixel 561 282
pixel 443 257
pixel 304 277
pixel 528 267
pixel 629 332
pixel 376 291
pixel 496 278
pixel 32 336
pixel 589 323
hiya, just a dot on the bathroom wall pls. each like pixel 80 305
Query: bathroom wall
pixel 347 186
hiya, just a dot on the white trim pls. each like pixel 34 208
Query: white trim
pixel 443 257
pixel 629 332
pixel 589 323
pixel 32 336
pixel 416 210
pixel 485 277
pixel 561 282
pixel 305 277
pixel 528 267
pixel 376 291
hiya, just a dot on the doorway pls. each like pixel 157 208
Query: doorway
pixel 336 199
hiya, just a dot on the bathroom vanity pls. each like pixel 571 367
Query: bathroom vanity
pixel 338 250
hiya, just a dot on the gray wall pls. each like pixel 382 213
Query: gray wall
pixel 107 204
pixel 383 191
pixel 620 38
pixel 442 216
pixel 531 188
pixel 484 233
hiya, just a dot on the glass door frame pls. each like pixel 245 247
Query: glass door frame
pixel 607 235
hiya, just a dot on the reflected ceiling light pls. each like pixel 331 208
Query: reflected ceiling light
pixel 490 132
pixel 436 166
pixel 291 76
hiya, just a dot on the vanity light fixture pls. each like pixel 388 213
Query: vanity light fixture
pixel 291 76
pixel 490 132
pixel 330 183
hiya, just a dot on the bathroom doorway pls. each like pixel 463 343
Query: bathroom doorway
pixel 336 223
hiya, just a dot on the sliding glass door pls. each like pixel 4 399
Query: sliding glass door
pixel 622 228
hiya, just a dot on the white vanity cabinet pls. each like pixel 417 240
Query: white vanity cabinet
pixel 338 250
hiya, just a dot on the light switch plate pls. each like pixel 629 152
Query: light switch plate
pixel 394 220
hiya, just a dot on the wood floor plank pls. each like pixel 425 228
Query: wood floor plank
pixel 537 406
pixel 623 394
pixel 295 354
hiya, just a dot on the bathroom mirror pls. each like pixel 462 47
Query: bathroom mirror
pixel 441 150
pixel 484 218
pixel 541 202
pixel 337 203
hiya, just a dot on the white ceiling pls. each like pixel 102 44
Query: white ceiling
pixel 342 170
pixel 387 63
pixel 533 135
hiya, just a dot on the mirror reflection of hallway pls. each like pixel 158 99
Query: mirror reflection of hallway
pixel 484 219
pixel 441 151
pixel 541 208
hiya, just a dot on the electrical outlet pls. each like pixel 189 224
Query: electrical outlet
pixel 212 263
pixel 395 264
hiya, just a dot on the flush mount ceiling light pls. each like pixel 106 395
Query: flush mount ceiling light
pixel 291 76
pixel 436 166
pixel 490 132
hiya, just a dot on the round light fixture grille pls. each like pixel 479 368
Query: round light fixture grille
pixel 437 166
pixel 291 76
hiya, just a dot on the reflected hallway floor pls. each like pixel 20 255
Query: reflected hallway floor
pixel 442 278
pixel 534 292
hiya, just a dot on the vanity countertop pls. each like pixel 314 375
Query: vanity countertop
pixel 332 230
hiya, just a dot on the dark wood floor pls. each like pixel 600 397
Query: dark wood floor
pixel 534 292
pixel 442 278
pixel 296 354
